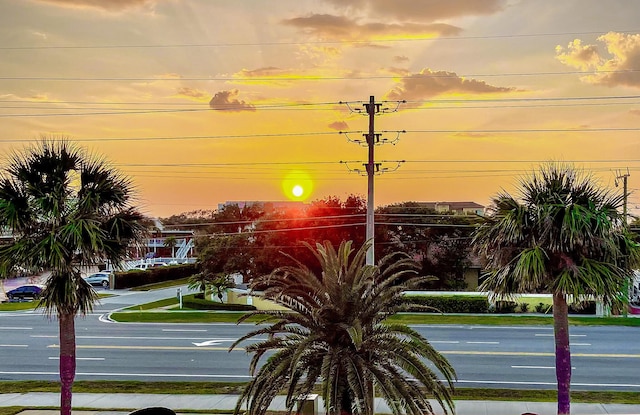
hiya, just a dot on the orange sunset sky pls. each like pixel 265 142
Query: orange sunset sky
pixel 204 101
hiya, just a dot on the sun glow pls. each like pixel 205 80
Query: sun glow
pixel 297 185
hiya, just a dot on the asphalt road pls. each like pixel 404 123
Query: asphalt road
pixel 604 358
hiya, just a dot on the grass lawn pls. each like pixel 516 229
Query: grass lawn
pixel 18 306
pixel 190 316
pixel 235 388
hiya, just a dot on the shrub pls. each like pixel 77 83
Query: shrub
pixel 190 301
pixel 452 303
pixel 136 278
pixel 543 308
pixel 524 307
pixel 585 307
pixel 505 307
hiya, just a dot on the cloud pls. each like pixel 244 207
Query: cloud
pixel 105 5
pixel 400 59
pixel 191 93
pixel 227 101
pixel 428 83
pixel 339 125
pixel 578 56
pixel 327 26
pixel 618 68
pixel 422 10
pixel 269 71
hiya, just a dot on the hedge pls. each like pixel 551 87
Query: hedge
pixel 136 278
pixel 476 304
pixel 190 301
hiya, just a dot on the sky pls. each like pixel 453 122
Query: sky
pixel 206 101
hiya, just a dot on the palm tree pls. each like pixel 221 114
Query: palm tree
pixel 565 236
pixel 171 242
pixel 337 334
pixel 65 210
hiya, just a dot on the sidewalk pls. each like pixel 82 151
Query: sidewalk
pixel 122 403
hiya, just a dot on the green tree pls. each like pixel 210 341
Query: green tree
pixel 221 283
pixel 200 281
pixel 565 236
pixel 65 210
pixel 337 335
pixel 171 242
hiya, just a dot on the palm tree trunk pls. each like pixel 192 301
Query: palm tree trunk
pixel 67 360
pixel 563 354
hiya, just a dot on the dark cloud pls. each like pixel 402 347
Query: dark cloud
pixel 422 10
pixel 227 101
pixel 400 59
pixel 427 83
pixel 107 5
pixel 327 26
pixel 339 125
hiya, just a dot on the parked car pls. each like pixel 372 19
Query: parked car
pixel 31 291
pixel 99 279
pixel 145 266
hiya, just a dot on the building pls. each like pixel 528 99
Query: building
pixel 459 208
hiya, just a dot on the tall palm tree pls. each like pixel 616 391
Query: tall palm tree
pixel 565 236
pixel 65 210
pixel 337 333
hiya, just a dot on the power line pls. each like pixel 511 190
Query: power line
pixel 306 78
pixel 322 42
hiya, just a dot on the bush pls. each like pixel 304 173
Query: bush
pixel 190 301
pixel 476 304
pixel 585 307
pixel 524 307
pixel 136 278
pixel 504 307
pixel 543 308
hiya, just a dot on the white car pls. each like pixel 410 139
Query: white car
pixel 100 279
pixel 145 266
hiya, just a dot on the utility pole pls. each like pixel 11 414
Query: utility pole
pixel 625 194
pixel 624 177
pixel 372 168
pixel 372 139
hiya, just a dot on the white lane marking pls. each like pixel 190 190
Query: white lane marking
pixel 133 337
pixel 16 328
pixel 482 342
pixel 498 382
pixel 143 375
pixel 213 342
pixel 551 335
pixel 77 358
pixel 580 344
pixel 444 342
pixel 537 367
pixel 186 330
pixel 14 345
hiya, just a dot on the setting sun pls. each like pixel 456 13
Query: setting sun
pixel 297 185
pixel 297 190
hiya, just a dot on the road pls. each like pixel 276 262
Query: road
pixel 604 358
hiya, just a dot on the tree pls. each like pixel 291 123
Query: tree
pixel 221 283
pixel 171 242
pixel 337 334
pixel 565 236
pixel 65 210
pixel 440 241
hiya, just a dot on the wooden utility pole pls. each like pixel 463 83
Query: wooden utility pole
pixel 372 139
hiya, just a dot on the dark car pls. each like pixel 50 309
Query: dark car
pixel 100 279
pixel 25 292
